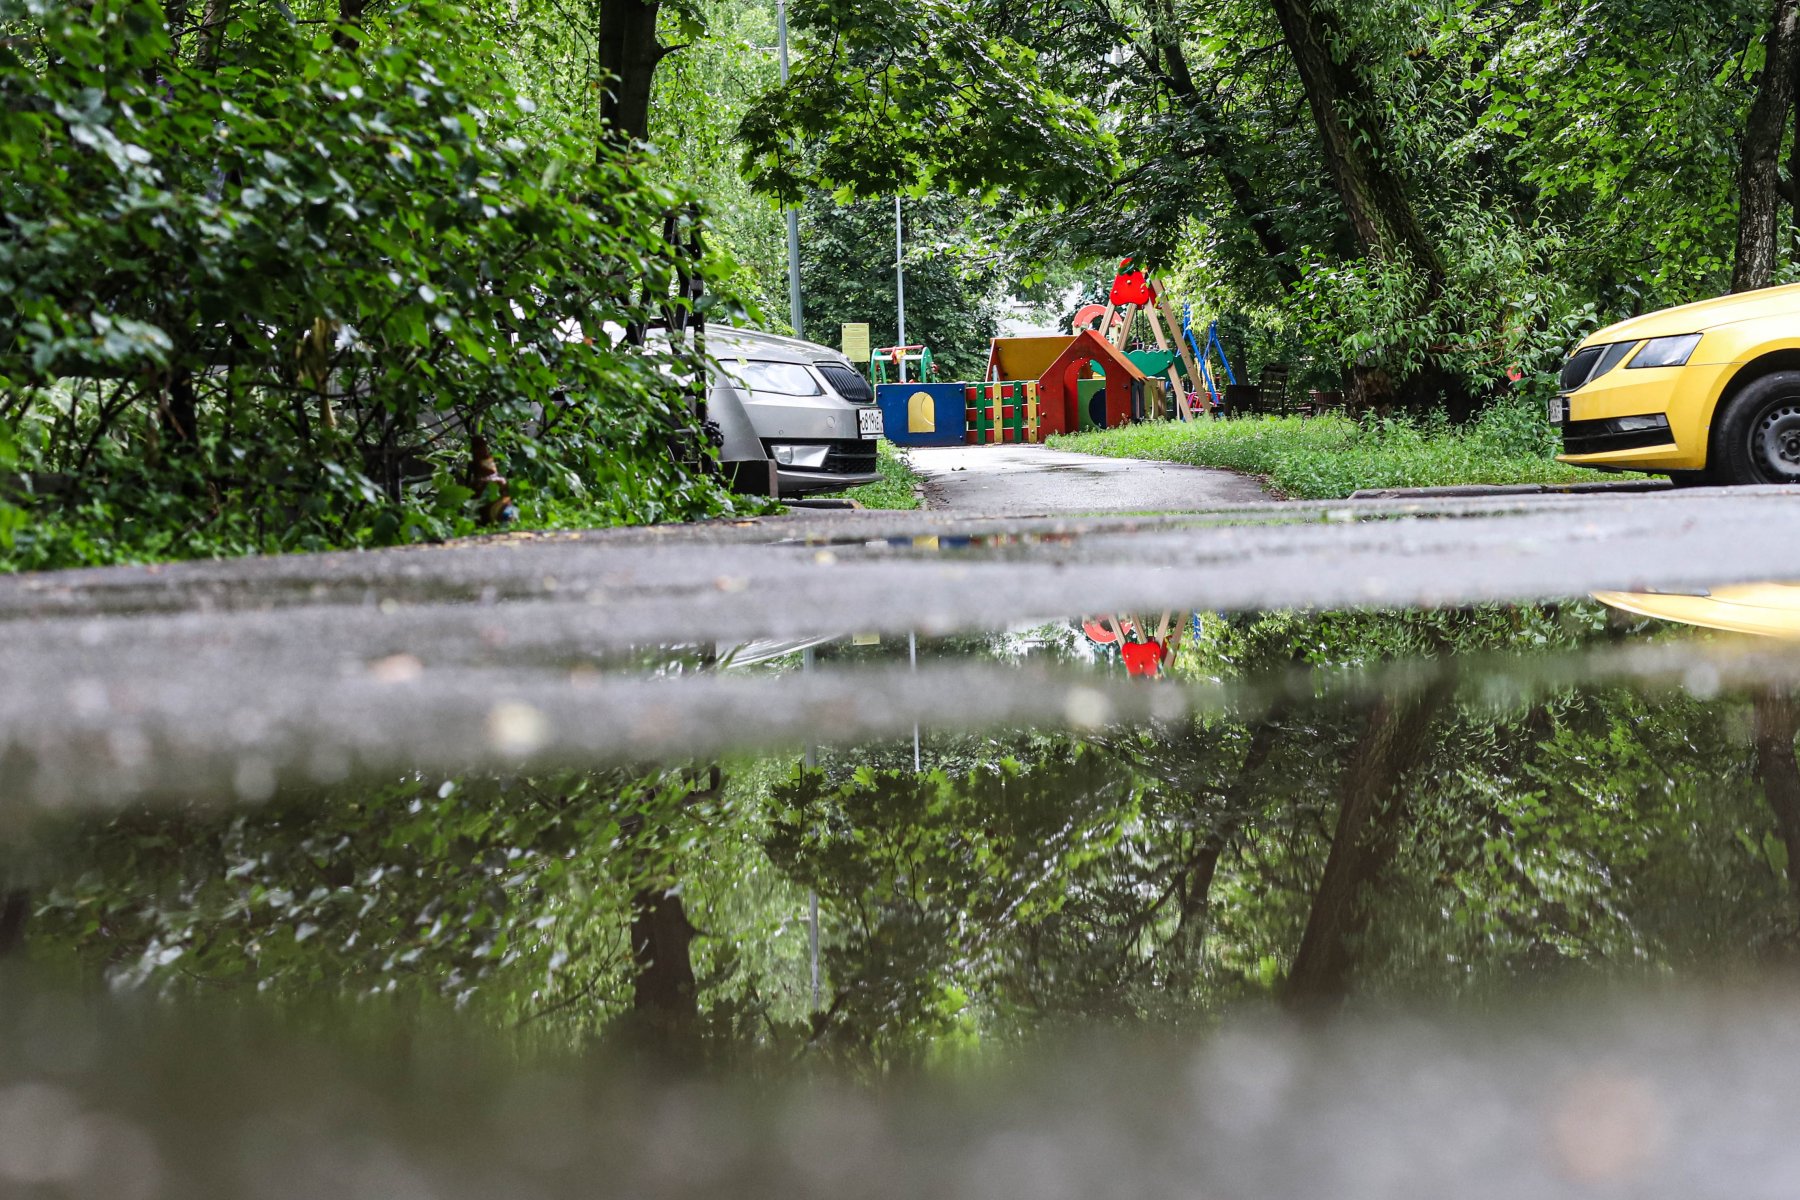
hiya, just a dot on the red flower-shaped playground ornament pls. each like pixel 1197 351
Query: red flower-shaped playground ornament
pixel 1129 287
pixel 1144 659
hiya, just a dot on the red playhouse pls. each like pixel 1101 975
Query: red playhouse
pixel 1059 399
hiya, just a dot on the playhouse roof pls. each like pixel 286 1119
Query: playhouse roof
pixel 1089 345
pixel 1024 357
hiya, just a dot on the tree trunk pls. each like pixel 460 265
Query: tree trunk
pixel 1790 188
pixel 1777 721
pixel 628 53
pixel 181 416
pixel 1759 155
pixel 346 36
pixel 1375 195
pixel 15 910
pixel 212 33
pixel 663 991
pixel 1203 865
pixel 1373 808
pixel 1218 145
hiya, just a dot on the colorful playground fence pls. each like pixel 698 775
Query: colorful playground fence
pixel 1006 411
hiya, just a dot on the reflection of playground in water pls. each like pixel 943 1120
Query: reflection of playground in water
pixel 1144 657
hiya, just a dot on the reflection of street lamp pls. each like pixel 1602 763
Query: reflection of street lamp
pixel 793 214
pixel 912 652
pixel 811 760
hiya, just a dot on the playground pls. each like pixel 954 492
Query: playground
pixel 1135 359
pixel 1147 379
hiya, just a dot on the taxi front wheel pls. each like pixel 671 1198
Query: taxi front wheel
pixel 1758 441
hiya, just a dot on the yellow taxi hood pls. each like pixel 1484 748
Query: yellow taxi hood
pixel 1764 609
pixel 1708 314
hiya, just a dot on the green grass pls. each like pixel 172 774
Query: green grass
pixel 1329 457
pixel 897 482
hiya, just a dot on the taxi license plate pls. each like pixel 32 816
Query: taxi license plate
pixel 1559 410
pixel 868 422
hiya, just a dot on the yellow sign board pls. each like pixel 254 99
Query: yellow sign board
pixel 856 341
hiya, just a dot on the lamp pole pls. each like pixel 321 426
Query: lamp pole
pixel 809 761
pixel 795 316
pixel 899 272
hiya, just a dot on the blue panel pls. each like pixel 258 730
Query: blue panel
pixel 905 406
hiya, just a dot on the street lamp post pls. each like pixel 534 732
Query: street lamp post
pixel 900 280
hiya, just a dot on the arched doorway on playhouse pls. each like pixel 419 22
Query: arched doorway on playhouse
pixel 1059 391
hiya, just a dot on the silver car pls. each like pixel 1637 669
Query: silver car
pixel 796 405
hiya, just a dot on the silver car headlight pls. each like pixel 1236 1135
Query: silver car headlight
pixel 1665 352
pixel 805 457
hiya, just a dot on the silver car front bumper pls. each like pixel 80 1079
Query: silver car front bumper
pixel 800 483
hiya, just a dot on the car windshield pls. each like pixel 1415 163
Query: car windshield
pixel 788 379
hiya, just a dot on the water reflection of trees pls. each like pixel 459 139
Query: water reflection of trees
pixel 1444 833
pixel 1436 837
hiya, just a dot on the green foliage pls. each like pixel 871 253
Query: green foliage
pixel 1650 187
pixel 918 96
pixel 1559 199
pixel 954 277
pixel 261 290
pixel 1555 196
pixel 702 92
pixel 897 489
pixel 473 890
pixel 1329 457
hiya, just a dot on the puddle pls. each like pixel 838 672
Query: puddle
pixel 1495 900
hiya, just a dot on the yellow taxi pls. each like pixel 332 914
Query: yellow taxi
pixel 1764 609
pixel 1704 393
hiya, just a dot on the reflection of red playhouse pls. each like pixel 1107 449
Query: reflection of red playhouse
pixel 1003 412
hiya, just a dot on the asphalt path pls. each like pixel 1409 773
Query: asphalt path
pixel 233 680
pixel 1035 480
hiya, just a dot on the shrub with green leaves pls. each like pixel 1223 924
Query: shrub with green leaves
pixel 263 282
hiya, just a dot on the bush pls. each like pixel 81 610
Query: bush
pixel 264 284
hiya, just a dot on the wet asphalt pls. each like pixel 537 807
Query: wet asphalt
pixel 1022 480
pixel 230 681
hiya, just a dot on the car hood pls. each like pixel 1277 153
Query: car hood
pixel 1697 318
pixel 725 342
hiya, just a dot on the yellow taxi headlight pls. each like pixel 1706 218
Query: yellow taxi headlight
pixel 1665 352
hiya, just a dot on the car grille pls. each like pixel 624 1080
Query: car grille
pixel 1596 437
pixel 841 457
pixel 1576 371
pixel 856 458
pixel 1594 362
pixel 846 382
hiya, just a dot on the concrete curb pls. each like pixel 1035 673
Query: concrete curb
pixel 1625 486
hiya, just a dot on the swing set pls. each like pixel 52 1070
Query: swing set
pixel 1203 354
pixel 1136 293
pixel 1144 657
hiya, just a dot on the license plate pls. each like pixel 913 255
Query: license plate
pixel 1559 410
pixel 868 422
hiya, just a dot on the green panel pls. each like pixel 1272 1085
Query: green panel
pixel 1154 362
pixel 1085 391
